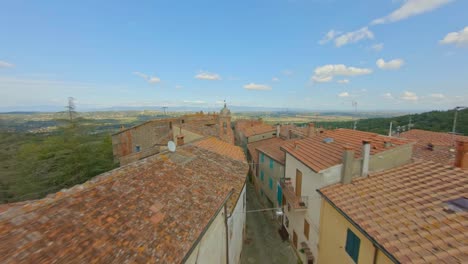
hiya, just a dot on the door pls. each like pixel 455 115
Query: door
pixel 294 239
pixel 298 182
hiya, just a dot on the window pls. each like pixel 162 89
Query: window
pixel 306 229
pixel 352 245
pixel 271 163
pixel 262 175
pixel 270 183
pixel 137 148
pixel 262 157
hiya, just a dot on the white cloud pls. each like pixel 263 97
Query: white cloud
pixel 194 102
pixel 344 81
pixel 275 79
pixel 208 76
pixel 353 37
pixel 459 38
pixel 390 65
pixel 409 96
pixel 437 96
pixel 377 47
pixel 149 79
pixel 4 64
pixel 254 86
pixel 179 87
pixel 387 96
pixel 411 8
pixel 329 36
pixel 343 94
pixel 327 72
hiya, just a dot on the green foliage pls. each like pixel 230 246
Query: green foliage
pixel 439 121
pixel 48 163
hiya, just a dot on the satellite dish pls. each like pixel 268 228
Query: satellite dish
pixel 171 146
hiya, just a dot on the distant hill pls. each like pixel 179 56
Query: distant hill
pixel 438 121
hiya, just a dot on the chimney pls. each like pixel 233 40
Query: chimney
pixel 311 129
pixel 461 156
pixel 347 168
pixel 365 158
pixel 180 140
pixel 278 128
pixel 289 133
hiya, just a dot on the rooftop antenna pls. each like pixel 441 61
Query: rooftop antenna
pixel 390 129
pixel 354 103
pixel 171 146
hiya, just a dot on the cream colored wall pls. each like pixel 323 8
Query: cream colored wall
pixel 276 173
pixel 236 225
pixel 333 231
pixel 188 135
pixel 211 249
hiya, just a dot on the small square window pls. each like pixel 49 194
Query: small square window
pixel 137 149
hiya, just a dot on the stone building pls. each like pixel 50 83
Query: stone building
pixel 151 137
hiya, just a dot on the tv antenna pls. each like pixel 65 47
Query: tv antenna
pixel 164 109
pixel 354 104
pixel 171 146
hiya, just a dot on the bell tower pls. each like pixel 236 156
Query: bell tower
pixel 225 129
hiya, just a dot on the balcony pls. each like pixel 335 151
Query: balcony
pixel 292 200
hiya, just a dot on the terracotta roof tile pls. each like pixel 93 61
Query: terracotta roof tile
pixel 271 147
pixel 151 210
pixel 318 155
pixel 223 148
pixel 442 150
pixel 257 129
pixel 406 212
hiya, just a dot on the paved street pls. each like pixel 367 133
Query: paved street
pixel 263 243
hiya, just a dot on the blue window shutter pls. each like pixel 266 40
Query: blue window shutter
pixel 262 157
pixel 261 175
pixel 279 195
pixel 352 245
pixel 271 163
pixel 270 183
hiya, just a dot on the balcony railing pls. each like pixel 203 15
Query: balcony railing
pixel 294 201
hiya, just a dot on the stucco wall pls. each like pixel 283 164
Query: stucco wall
pixel 275 173
pixel 258 137
pixel 333 240
pixel 236 225
pixel 212 247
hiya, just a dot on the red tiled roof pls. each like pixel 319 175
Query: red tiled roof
pixel 272 148
pixel 252 147
pixel 151 210
pixel 249 131
pixel 318 155
pixel 405 211
pixel 222 148
pixel 442 150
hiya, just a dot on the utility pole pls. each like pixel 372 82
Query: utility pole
pixel 70 108
pixel 455 122
pixel 354 103
pixel 164 109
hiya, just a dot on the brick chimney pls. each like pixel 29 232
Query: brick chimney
pixel 461 156
pixel 366 147
pixel 180 140
pixel 311 130
pixel 348 162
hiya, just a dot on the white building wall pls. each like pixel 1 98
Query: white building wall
pixel 211 249
pixel 236 226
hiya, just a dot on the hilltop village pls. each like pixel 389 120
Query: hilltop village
pixel 335 196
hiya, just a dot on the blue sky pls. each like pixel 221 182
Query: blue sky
pixel 313 54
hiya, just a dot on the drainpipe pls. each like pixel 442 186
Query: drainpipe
pixel 227 232
pixel 365 158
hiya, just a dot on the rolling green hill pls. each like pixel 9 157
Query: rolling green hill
pixel 439 121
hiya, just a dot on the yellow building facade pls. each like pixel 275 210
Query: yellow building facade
pixel 334 240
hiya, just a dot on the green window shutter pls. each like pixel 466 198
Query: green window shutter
pixel 262 157
pixel 353 244
pixel 271 163
pixel 262 175
pixel 270 183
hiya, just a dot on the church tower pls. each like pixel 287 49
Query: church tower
pixel 225 129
